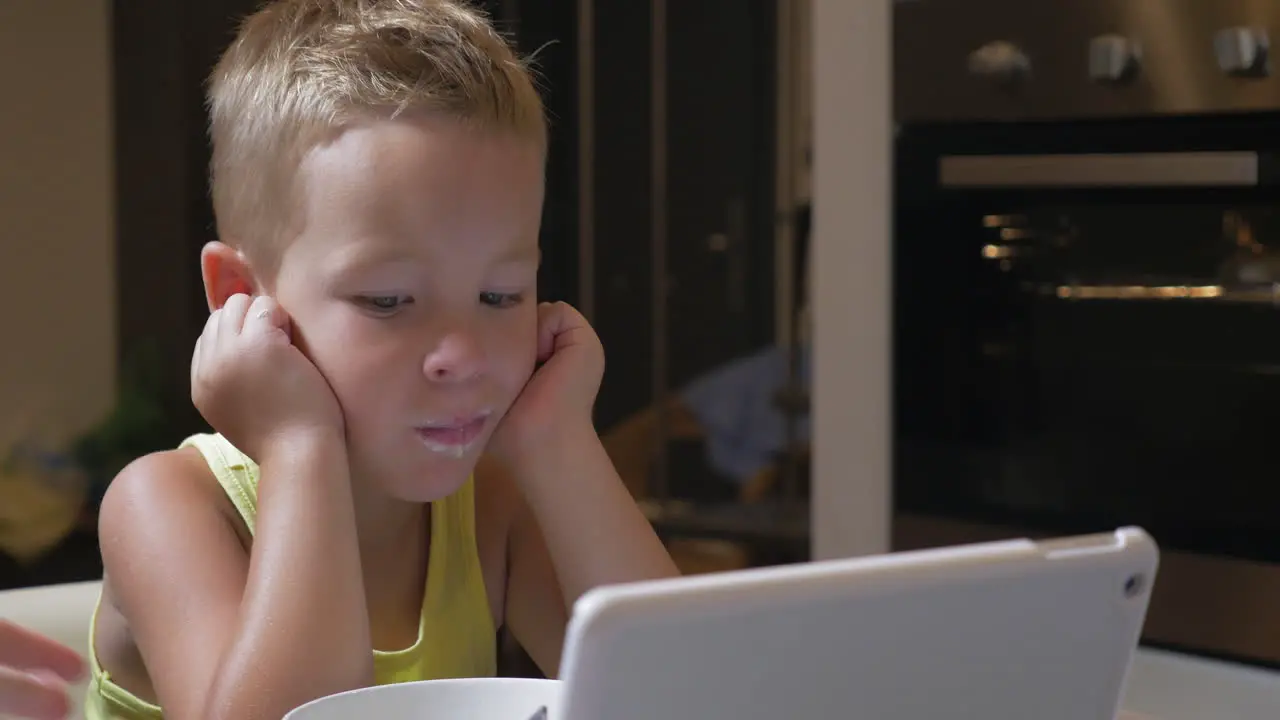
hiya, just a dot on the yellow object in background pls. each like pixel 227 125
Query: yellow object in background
pixel 40 503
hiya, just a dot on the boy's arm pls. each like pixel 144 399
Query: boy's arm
pixel 230 634
pixel 580 528
pixel 594 530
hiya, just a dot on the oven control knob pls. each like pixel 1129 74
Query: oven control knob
pixel 1114 59
pixel 1000 61
pixel 1242 51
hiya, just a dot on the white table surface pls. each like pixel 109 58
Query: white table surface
pixel 1173 686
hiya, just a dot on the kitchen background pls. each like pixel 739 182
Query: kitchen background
pixel 1081 265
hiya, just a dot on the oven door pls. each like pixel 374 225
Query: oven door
pixel 1087 335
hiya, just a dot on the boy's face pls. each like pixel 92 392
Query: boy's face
pixel 412 287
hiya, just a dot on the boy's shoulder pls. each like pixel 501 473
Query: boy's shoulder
pixel 158 487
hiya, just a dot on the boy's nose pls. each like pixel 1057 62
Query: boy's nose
pixel 456 358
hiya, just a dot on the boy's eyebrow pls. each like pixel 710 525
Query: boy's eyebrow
pixel 523 254
pixel 356 257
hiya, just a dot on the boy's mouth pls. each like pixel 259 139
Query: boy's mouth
pixel 452 437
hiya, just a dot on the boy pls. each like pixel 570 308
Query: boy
pixel 377 182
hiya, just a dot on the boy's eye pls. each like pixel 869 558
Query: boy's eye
pixel 384 303
pixel 500 300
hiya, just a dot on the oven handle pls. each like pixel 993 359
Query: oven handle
pixel 1175 169
pixel 1204 293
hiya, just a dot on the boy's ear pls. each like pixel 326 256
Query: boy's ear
pixel 226 272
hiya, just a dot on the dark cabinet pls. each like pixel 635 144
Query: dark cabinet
pixel 720 180
pixel 712 199
pixel 162 52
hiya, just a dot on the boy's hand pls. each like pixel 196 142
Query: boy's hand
pixel 562 391
pixel 252 384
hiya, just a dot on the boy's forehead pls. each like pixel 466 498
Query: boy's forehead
pixel 355 255
pixel 393 169
pixel 405 181
pixel 431 147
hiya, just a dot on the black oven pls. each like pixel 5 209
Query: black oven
pixel 1087 290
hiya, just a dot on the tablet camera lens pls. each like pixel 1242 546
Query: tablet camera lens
pixel 1133 586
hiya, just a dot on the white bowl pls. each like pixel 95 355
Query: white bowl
pixel 464 699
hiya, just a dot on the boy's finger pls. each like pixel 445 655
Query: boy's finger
pixel 233 315
pixel 265 315
pixel 211 323
pixel 26 695
pixel 26 650
pixel 195 361
pixel 548 328
pixel 559 326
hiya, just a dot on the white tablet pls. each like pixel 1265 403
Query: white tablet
pixel 995 631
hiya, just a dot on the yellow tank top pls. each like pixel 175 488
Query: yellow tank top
pixel 456 635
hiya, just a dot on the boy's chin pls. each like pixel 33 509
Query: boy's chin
pixel 430 479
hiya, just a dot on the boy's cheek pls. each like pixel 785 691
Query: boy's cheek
pixel 527 349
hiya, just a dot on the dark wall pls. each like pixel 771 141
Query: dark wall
pixel 719 179
pixel 623 272
pixel 545 30
pixel 163 51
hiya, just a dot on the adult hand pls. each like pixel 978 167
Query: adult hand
pixel 34 674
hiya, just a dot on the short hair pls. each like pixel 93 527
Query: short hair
pixel 300 70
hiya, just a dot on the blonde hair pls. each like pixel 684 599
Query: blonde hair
pixel 300 70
